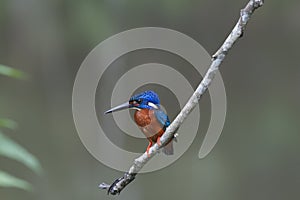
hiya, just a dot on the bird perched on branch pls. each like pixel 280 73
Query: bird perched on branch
pixel 149 117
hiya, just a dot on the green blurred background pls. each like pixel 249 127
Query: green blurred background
pixel 257 156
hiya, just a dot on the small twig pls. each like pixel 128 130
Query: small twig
pixel 118 185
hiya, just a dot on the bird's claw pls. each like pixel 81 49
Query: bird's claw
pixel 158 141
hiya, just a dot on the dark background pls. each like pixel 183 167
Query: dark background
pixel 257 156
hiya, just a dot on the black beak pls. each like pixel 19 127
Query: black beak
pixel 119 107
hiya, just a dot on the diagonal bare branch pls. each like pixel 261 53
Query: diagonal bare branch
pixel 119 184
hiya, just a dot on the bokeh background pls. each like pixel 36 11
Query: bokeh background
pixel 257 156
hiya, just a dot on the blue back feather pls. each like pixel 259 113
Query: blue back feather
pixel 162 118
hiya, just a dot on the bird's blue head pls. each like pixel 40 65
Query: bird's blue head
pixel 147 99
pixel 144 100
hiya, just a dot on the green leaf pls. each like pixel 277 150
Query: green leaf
pixel 8 123
pixel 11 72
pixel 13 150
pixel 7 180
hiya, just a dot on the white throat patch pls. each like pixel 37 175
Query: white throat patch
pixel 152 105
pixel 135 108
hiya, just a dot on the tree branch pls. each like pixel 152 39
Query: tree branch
pixel 118 185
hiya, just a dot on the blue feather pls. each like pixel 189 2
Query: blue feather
pixel 162 118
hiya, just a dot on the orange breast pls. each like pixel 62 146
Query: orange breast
pixel 148 124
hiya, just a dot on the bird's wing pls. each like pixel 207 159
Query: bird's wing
pixel 162 118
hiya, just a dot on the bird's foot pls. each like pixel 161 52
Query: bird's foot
pixel 148 149
pixel 158 141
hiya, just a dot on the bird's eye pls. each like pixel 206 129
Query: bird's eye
pixel 134 102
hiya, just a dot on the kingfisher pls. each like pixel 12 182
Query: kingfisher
pixel 149 117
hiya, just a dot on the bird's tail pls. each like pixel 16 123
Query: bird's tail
pixel 168 149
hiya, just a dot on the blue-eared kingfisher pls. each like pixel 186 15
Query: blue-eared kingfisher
pixel 149 117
